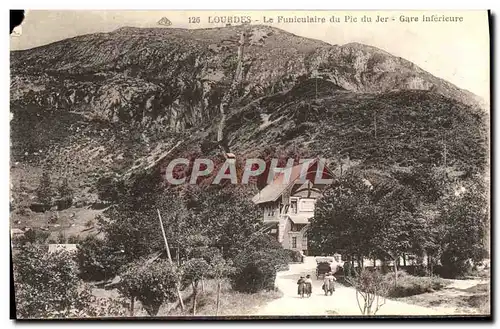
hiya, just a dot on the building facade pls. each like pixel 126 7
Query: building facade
pixel 288 202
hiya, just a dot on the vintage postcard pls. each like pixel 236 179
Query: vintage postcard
pixel 257 164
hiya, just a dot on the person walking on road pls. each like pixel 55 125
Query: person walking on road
pixel 308 283
pixel 328 284
pixel 301 286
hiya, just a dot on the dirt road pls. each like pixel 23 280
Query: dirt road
pixel 343 301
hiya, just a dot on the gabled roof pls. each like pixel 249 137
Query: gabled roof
pixel 274 190
pixel 300 218
pixel 16 231
pixel 62 246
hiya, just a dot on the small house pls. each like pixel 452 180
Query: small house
pixel 69 247
pixel 288 202
pixel 16 232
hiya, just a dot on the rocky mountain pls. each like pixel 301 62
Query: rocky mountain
pixel 124 101
pixel 175 77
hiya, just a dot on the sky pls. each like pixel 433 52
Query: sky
pixel 455 51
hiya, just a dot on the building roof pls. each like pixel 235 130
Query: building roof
pixel 300 218
pixel 62 246
pixel 275 189
pixel 268 226
pixel 16 231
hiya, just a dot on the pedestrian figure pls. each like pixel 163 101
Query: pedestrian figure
pixel 301 287
pixel 328 284
pixel 308 282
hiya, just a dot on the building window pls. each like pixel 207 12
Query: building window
pixel 294 242
pixel 270 211
pixel 293 206
pixel 307 205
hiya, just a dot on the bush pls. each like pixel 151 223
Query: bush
pixel 109 189
pixel 348 270
pixel 295 256
pixel 408 285
pixel 65 192
pixel 371 286
pixel 64 203
pixel 45 190
pixel 74 239
pixel 103 307
pixel 47 285
pixel 89 223
pixel 97 260
pixel 194 270
pixel 453 265
pixel 256 266
pixel 34 236
pixel 255 271
pixel 151 283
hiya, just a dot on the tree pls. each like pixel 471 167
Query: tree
pixel 152 283
pixel 465 217
pixel 136 232
pixel 359 220
pixel 256 265
pixel 225 215
pixel 372 287
pixel 110 189
pixel 65 195
pixel 255 271
pixel 97 260
pixel 220 268
pixel 193 272
pixel 45 192
pixel 47 285
pixel 398 230
pixel 64 190
pixel 427 182
pixel 34 236
pixel 344 219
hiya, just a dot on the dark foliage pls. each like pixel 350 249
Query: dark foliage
pixel 295 256
pixel 153 284
pixel 256 266
pixel 98 260
pixel 47 285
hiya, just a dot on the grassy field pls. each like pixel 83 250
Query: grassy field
pixel 71 222
pixel 457 297
pixel 232 303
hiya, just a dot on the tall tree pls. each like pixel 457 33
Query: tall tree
pixel 343 219
pixel 64 190
pixel 152 283
pixel 47 284
pixel 45 190
pixel 465 217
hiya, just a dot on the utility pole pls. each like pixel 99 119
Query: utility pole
pixel 170 257
pixel 315 73
pixel 445 151
pixel 316 80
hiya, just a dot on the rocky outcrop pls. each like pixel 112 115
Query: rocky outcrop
pixel 177 77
